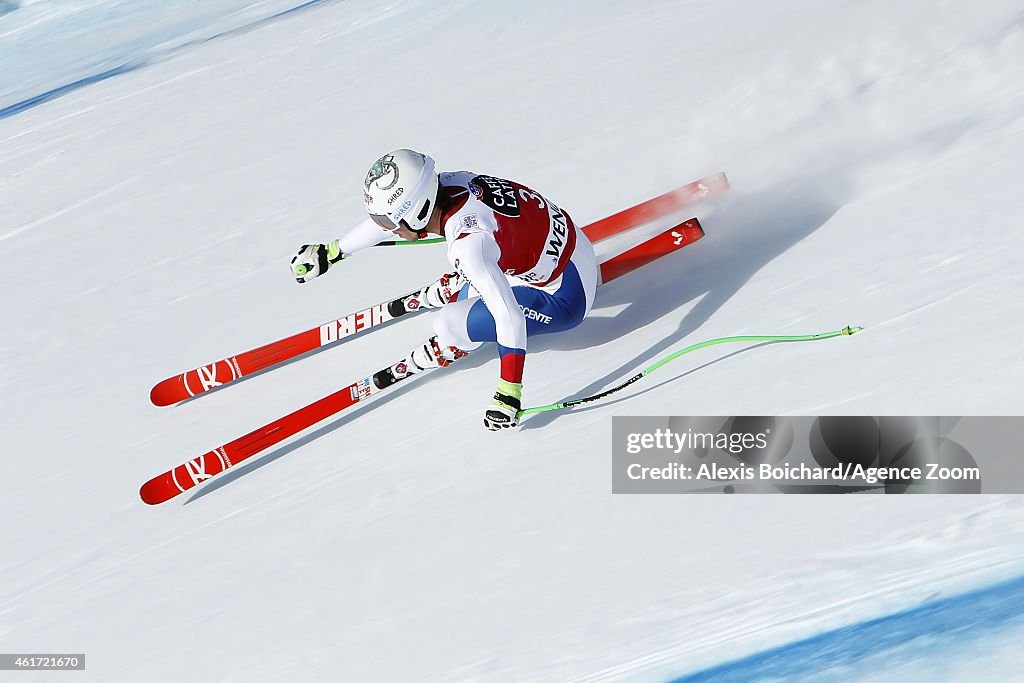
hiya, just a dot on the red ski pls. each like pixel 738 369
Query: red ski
pixel 199 380
pixel 193 382
pixel 184 477
pixel 658 207
pixel 671 240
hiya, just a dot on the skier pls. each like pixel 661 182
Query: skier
pixel 522 267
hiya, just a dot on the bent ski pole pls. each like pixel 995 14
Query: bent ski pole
pixel 846 331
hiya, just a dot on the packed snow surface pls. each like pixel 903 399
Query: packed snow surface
pixel 147 220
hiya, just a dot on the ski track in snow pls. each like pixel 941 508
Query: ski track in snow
pixel 145 225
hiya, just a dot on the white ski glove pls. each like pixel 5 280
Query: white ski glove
pixel 313 260
pixel 503 412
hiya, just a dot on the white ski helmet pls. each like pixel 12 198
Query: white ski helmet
pixel 401 187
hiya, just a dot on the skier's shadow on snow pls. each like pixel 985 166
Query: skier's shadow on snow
pixel 744 234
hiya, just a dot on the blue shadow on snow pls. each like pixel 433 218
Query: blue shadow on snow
pixel 915 637
pixel 36 100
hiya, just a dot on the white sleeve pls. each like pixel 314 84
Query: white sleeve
pixel 363 236
pixel 477 254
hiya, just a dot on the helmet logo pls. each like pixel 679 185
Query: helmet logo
pixel 380 170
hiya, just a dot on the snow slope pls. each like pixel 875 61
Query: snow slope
pixel 47 43
pixel 146 222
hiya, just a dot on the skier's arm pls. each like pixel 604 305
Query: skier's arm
pixel 363 236
pixel 313 260
pixel 477 255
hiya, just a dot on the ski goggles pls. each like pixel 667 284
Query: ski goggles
pixel 388 223
pixel 385 222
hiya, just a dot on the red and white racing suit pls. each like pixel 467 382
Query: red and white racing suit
pixel 528 268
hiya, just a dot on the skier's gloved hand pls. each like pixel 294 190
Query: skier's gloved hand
pixel 439 293
pixel 313 260
pixel 504 409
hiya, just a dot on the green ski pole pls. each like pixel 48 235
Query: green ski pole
pixel 404 243
pixel 846 331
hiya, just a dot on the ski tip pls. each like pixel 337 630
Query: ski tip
pixel 166 393
pixel 157 398
pixel 851 330
pixel 155 491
